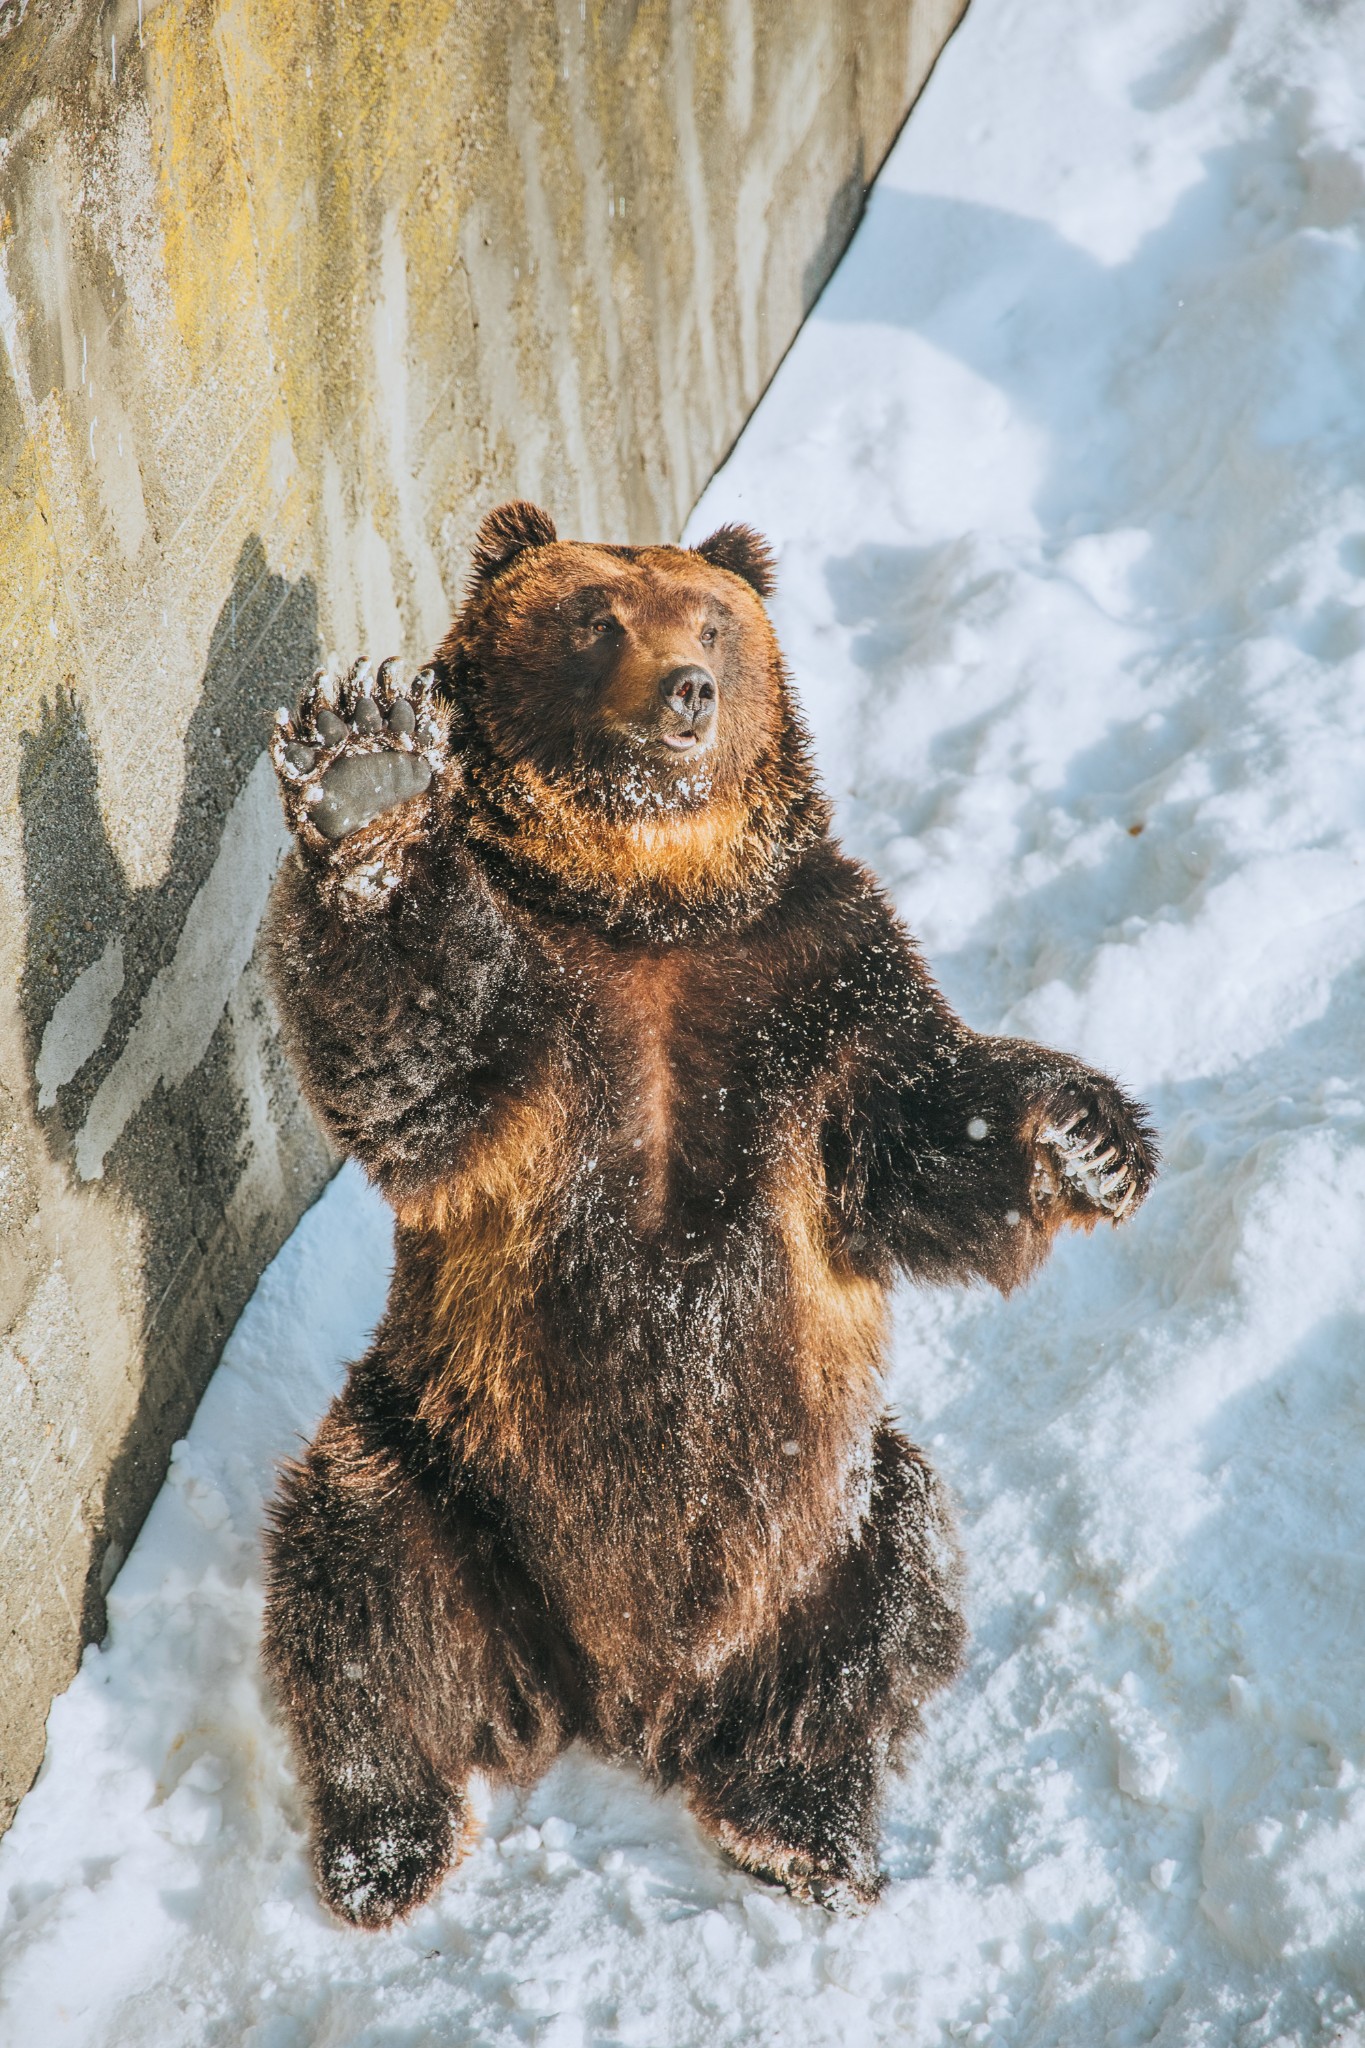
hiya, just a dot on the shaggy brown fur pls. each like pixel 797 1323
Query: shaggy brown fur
pixel 663 1098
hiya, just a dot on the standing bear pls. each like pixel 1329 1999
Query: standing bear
pixel 663 1098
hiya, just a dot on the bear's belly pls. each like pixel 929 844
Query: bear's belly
pixel 666 1566
pixel 674 1421
pixel 671 1347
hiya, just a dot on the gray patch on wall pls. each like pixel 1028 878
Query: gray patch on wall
pixel 844 212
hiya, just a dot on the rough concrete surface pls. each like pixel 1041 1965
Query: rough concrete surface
pixel 290 294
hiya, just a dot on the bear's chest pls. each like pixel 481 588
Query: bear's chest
pixel 668 1048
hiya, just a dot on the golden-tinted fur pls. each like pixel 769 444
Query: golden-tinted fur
pixel 839 1315
pixel 685 857
pixel 478 1235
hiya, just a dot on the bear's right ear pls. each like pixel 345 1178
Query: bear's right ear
pixel 506 532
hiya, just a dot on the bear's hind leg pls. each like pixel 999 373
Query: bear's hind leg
pixel 786 1762
pixel 406 1650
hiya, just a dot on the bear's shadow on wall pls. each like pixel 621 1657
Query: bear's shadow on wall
pixel 179 1158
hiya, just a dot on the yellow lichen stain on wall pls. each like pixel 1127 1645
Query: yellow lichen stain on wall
pixel 209 251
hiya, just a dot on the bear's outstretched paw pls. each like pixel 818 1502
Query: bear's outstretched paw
pixel 375 1867
pixel 357 747
pixel 1095 1151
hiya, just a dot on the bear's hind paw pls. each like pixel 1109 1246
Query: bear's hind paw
pixel 846 1886
pixel 379 1867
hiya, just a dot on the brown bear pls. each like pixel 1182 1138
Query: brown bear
pixel 663 1098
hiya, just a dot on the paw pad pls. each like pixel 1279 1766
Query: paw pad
pixel 356 747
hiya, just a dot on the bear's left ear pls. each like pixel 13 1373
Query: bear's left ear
pixel 744 553
pixel 506 532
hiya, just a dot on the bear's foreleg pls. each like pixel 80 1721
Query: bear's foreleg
pixel 786 1761
pixel 406 1650
pixel 972 1160
pixel 401 986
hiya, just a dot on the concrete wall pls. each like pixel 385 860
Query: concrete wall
pixel 291 292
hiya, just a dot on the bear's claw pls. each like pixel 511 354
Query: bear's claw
pixel 357 746
pixel 1102 1153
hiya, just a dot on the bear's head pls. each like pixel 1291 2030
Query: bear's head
pixel 624 715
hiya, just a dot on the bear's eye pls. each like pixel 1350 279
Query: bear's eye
pixel 707 636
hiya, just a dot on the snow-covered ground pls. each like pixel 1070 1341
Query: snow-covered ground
pixel 1067 474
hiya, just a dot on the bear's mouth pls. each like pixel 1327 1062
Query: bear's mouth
pixel 667 748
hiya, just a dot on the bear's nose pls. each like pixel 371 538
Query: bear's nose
pixel 690 691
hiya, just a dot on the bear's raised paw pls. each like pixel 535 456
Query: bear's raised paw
pixel 357 746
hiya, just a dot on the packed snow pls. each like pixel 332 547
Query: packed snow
pixel 1067 478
